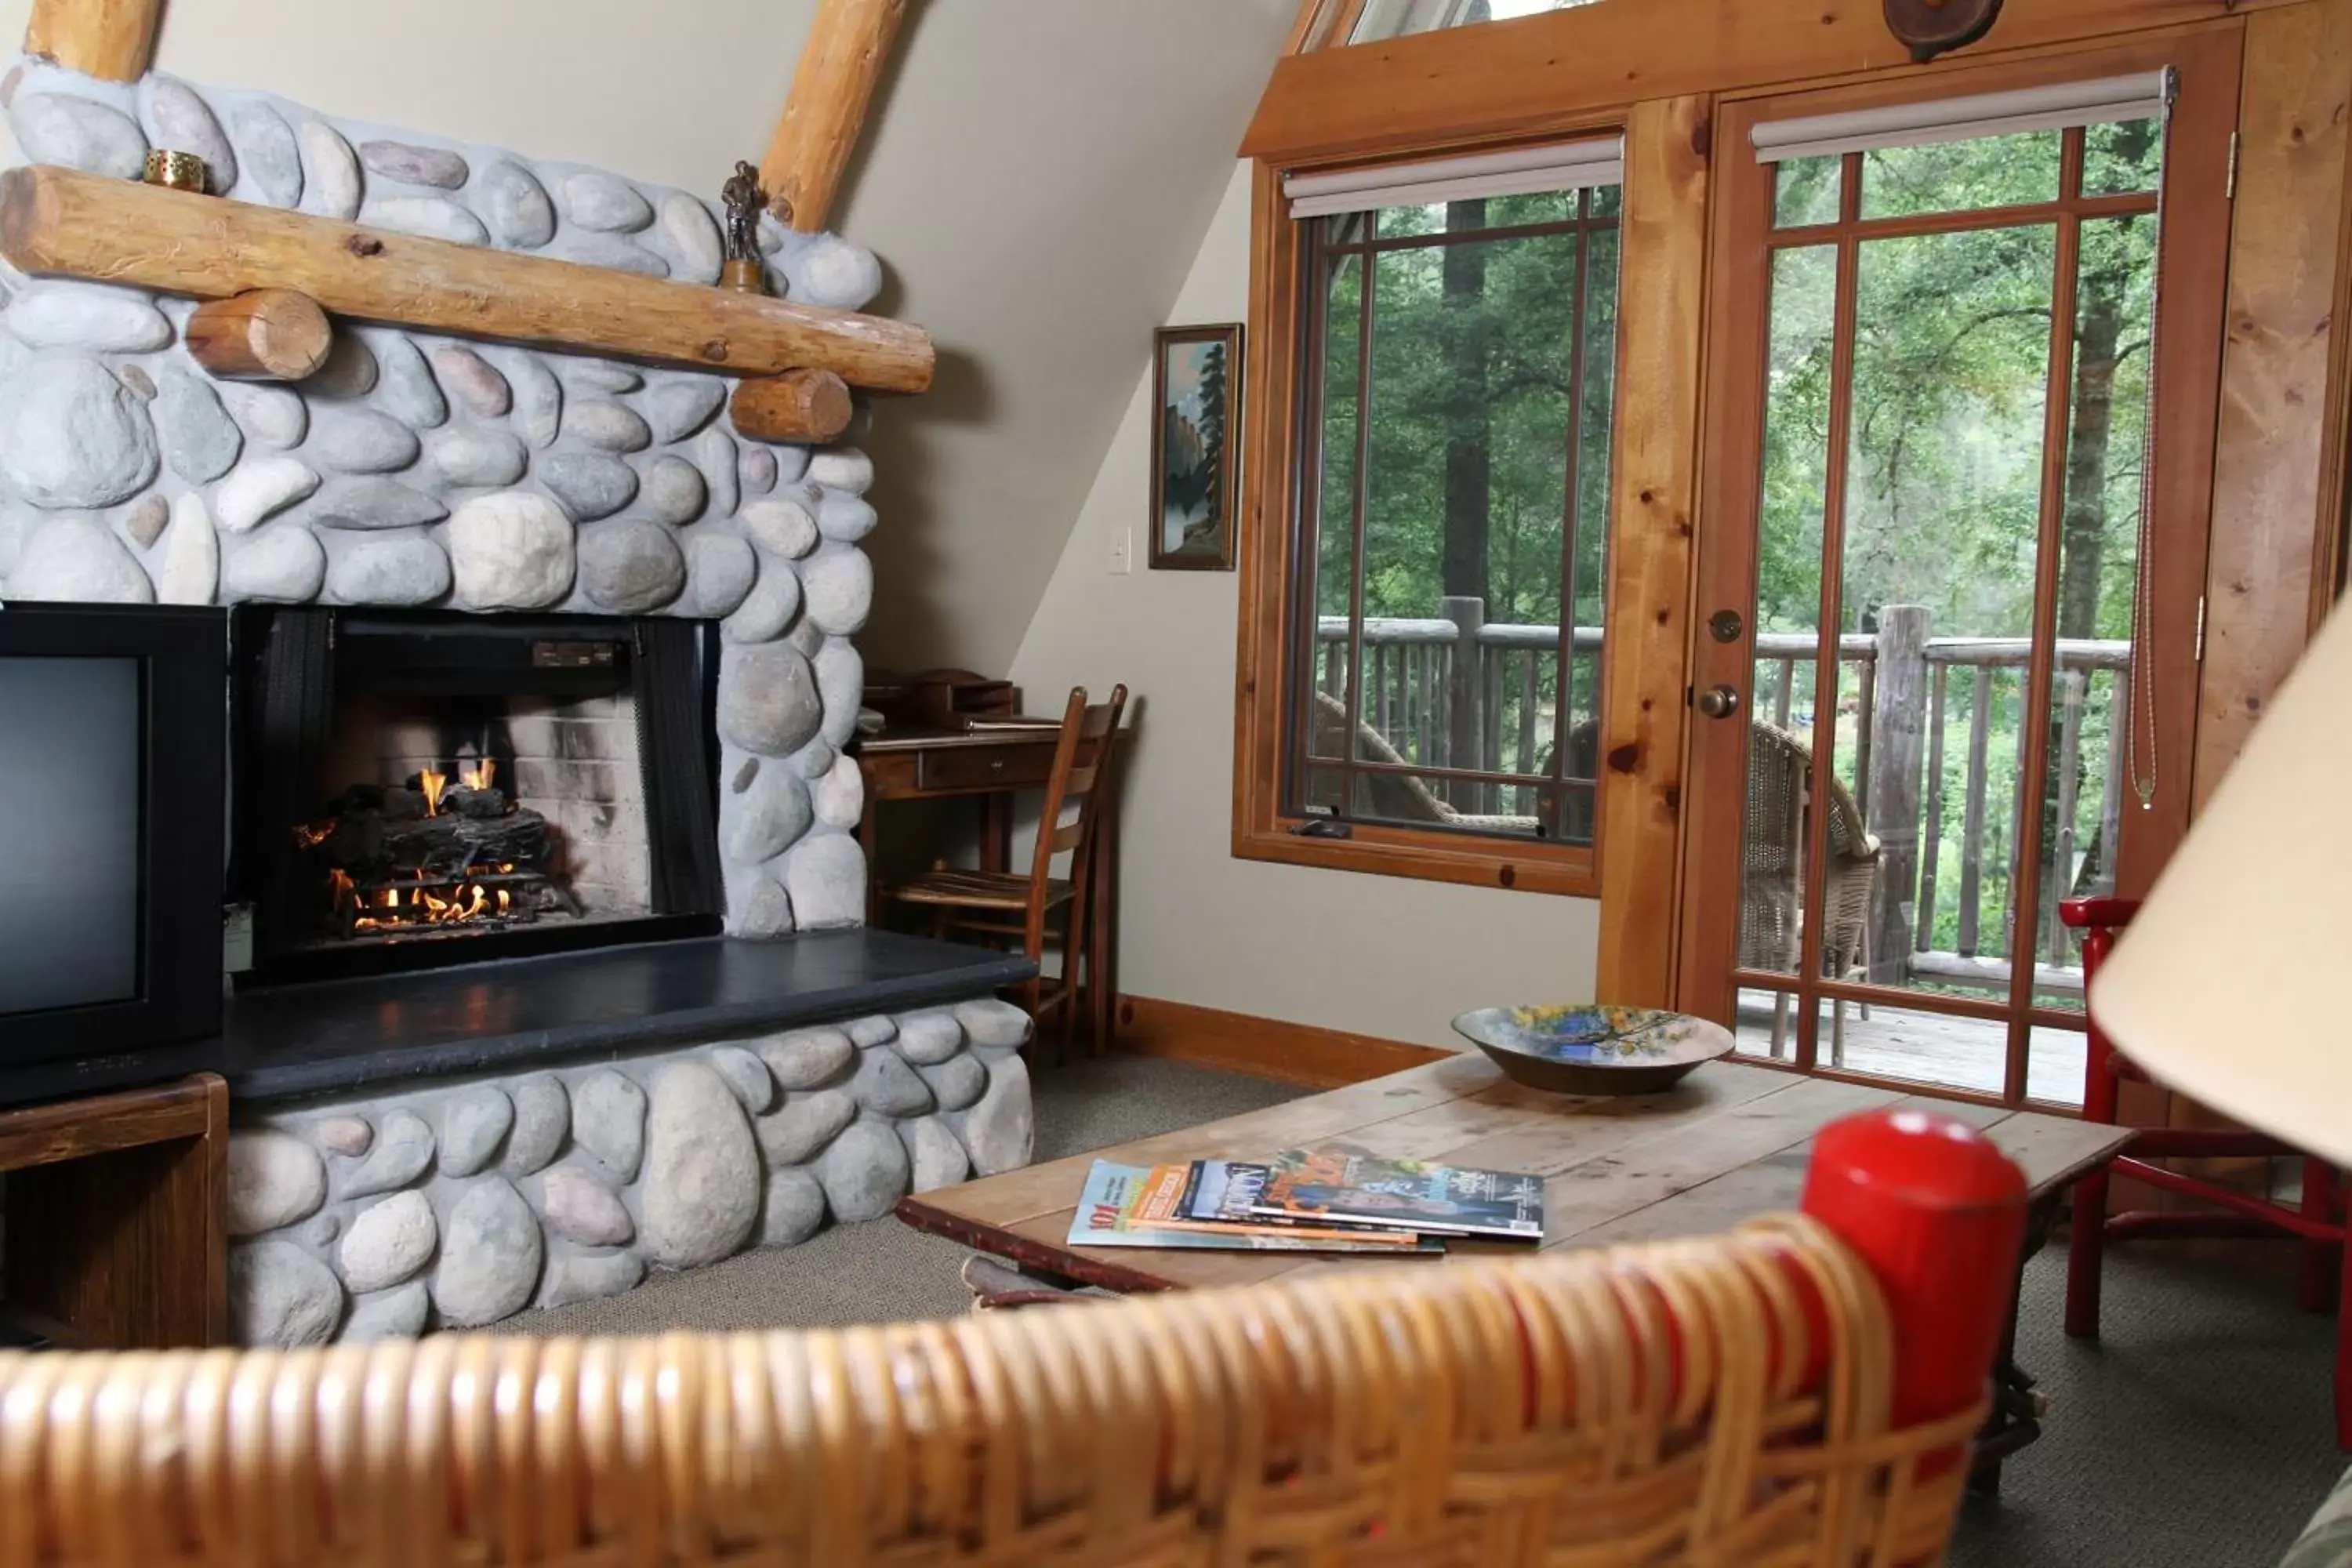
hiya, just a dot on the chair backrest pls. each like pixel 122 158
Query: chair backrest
pixel 1631 1406
pixel 1079 778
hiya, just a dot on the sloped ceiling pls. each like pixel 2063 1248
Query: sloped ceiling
pixel 1036 177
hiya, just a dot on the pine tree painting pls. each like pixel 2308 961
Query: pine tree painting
pixel 1193 468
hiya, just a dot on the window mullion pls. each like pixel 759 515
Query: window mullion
pixel 1360 503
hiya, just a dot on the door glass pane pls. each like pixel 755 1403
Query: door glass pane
pixel 1961 176
pixel 2098 565
pixel 1942 518
pixel 2124 157
pixel 1767 1025
pixel 2055 1065
pixel 1335 545
pixel 1942 1049
pixel 1807 191
pixel 1800 356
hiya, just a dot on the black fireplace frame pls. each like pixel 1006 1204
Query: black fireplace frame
pixel 288 662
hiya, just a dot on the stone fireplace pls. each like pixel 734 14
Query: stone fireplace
pixel 533 649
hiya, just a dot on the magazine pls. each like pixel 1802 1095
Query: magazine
pixel 1111 1209
pixel 1339 1186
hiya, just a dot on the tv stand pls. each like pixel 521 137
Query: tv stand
pixel 116 1235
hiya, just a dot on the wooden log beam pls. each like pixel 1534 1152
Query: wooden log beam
pixel 114 39
pixel 63 222
pixel 847 43
pixel 263 334
pixel 800 405
pixel 1555 71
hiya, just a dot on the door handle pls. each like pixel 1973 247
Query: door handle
pixel 1718 702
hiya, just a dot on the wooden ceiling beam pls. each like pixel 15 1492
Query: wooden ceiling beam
pixel 1545 74
pixel 64 223
pixel 114 39
pixel 818 131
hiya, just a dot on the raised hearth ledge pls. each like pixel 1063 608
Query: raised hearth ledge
pixel 340 1036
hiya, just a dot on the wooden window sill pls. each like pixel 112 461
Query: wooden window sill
pixel 1526 868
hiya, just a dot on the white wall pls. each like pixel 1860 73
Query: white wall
pixel 1378 956
pixel 1034 176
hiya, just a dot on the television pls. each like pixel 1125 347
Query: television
pixel 112 769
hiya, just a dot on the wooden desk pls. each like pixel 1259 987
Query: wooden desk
pixel 990 767
pixel 118 1216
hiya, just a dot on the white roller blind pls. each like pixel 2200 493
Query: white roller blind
pixel 2144 97
pixel 1577 166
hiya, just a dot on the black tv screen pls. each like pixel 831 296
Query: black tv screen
pixel 112 768
pixel 69 793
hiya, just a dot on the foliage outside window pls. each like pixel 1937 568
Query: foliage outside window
pixel 1454 451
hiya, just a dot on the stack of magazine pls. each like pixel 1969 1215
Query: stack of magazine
pixel 1306 1200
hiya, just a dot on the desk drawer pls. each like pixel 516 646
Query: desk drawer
pixel 979 767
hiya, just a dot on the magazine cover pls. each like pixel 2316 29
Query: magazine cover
pixel 1111 1208
pixel 1347 1187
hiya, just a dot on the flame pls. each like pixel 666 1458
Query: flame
pixel 433 783
pixel 506 900
pixel 479 775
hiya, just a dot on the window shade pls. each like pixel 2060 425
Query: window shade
pixel 1577 166
pixel 2068 104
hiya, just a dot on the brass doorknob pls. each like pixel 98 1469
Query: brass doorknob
pixel 1718 702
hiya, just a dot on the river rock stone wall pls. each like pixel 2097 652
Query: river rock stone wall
pixel 421 471
pixel 458 1203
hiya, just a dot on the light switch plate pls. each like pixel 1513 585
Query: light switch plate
pixel 1122 553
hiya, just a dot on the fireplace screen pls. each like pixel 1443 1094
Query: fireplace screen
pixel 546 783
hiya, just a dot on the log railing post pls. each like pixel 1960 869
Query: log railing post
pixel 1898 718
pixel 1466 697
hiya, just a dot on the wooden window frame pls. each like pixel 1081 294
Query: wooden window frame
pixel 1641 726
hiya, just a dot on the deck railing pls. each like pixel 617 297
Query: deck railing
pixel 1454 692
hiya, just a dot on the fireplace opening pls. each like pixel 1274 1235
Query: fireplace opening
pixel 415 790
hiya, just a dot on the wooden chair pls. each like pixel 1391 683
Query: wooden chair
pixel 982 902
pixel 1801 1391
pixel 1772 881
pixel 2318 1221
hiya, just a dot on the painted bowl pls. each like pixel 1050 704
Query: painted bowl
pixel 1594 1049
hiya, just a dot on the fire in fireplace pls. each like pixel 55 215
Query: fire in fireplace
pixel 418 789
pixel 431 852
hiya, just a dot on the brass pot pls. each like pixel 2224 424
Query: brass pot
pixel 174 171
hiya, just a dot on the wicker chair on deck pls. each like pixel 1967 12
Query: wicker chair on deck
pixel 1771 875
pixel 1800 1391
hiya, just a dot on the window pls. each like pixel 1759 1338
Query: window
pixel 1373 20
pixel 1452 464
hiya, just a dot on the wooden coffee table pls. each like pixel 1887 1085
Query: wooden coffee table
pixel 1731 1144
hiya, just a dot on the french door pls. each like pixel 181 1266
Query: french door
pixel 1960 427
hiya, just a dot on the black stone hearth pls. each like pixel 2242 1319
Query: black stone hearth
pixel 300 1040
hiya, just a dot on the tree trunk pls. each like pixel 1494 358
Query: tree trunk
pixel 1469 479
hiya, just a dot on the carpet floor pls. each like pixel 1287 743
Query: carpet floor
pixel 2198 1434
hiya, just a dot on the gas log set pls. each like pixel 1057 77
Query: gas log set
pixel 436 852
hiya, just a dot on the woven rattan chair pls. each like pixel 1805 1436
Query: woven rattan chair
pixel 1771 875
pixel 1390 797
pixel 1799 1391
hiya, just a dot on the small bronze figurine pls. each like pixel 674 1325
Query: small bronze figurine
pixel 743 199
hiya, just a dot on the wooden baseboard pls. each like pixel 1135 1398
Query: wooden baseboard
pixel 1261 1048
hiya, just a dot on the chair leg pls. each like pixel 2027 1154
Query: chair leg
pixel 2315 1287
pixel 2344 1359
pixel 2084 1243
pixel 1779 1025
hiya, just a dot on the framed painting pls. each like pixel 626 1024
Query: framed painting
pixel 1195 446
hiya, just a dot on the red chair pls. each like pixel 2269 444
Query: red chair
pixel 2318 1224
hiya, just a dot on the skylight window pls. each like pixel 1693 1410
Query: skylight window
pixel 1398 18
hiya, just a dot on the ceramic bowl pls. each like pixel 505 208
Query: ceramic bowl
pixel 1591 1049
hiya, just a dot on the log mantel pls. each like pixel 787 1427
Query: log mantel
pixel 57 222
